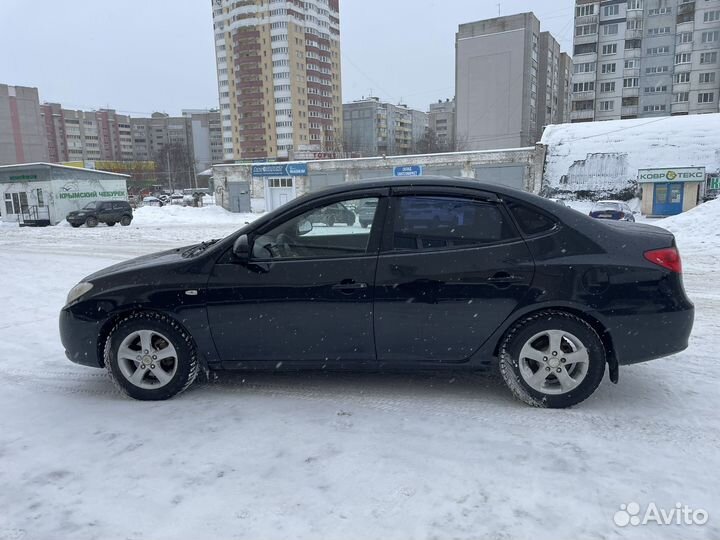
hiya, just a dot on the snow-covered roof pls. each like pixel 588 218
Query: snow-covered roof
pixel 601 153
pixel 58 166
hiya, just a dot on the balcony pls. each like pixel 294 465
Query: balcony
pixel 582 96
pixel 630 92
pixel 587 114
pixel 588 38
pixel 587 19
pixel 633 34
pixel 679 108
pixel 630 110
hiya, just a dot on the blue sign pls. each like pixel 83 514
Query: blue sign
pixel 280 169
pixel 408 170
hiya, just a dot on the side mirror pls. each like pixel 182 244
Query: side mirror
pixel 241 248
pixel 304 227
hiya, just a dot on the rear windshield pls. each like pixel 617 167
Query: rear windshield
pixel 607 206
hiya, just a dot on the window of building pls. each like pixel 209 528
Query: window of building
pixel 633 44
pixel 584 11
pixel 611 48
pixel 652 70
pixel 583 105
pixel 632 64
pixel 629 101
pixel 607 87
pixel 635 24
pixel 681 97
pixel 708 57
pixel 708 77
pixel 685 37
pixel 609 11
pixel 654 51
pixel 656 89
pixel 586 29
pixel 706 97
pixel 584 67
pixel 610 29
pixel 681 78
pixel 585 48
pixel 608 68
pixel 711 16
pixel 711 37
pixel 631 82
pixel 431 223
pixel 654 108
pixel 682 58
pixel 584 86
pixel 659 11
pixel 634 4
pixel 607 105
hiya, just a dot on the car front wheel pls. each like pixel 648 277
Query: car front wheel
pixel 150 357
pixel 91 221
pixel 552 359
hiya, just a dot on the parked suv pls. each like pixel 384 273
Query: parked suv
pixel 108 212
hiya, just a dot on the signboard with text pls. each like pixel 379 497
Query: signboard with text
pixel 280 169
pixel 408 170
pixel 680 174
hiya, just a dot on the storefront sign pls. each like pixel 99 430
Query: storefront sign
pixel 23 177
pixel 714 183
pixel 92 194
pixel 408 170
pixel 280 169
pixel 682 174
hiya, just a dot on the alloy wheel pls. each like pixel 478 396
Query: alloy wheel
pixel 147 359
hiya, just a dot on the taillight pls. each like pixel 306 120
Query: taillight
pixel 667 258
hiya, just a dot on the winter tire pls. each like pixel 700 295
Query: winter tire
pixel 91 222
pixel 125 221
pixel 150 357
pixel 552 359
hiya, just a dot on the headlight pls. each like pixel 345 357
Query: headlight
pixel 80 214
pixel 77 291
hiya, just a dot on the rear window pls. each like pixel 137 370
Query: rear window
pixel 530 220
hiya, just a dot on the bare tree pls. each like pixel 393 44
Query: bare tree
pixel 175 166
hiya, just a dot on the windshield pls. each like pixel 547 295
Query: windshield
pixel 90 206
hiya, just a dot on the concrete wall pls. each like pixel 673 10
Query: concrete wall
pixel 520 167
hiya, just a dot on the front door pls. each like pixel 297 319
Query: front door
pixel 454 270
pixel 306 294
pixel 668 199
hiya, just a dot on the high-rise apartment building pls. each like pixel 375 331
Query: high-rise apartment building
pixel 441 121
pixel 374 128
pixel 151 135
pixel 207 137
pixel 22 132
pixel 642 58
pixel 278 65
pixel 86 135
pixel 503 97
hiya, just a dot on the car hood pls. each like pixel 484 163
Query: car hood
pixel 141 263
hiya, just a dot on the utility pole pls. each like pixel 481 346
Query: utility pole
pixel 169 172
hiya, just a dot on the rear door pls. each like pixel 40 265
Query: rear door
pixel 452 269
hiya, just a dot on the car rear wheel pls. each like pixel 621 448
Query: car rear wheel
pixel 125 221
pixel 150 357
pixel 552 359
pixel 91 221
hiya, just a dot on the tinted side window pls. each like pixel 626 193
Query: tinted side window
pixel 429 222
pixel 531 221
pixel 332 230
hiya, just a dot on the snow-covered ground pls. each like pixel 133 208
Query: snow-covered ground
pixel 331 456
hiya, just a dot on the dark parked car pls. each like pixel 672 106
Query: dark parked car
pixel 109 212
pixel 616 210
pixel 550 294
pixel 332 214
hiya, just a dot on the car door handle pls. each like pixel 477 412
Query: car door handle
pixel 349 286
pixel 504 277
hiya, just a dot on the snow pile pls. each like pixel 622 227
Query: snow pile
pixel 605 156
pixel 188 215
pixel 697 227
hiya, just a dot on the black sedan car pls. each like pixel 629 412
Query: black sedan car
pixel 491 275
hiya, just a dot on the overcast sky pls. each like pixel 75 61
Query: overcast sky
pixel 140 56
